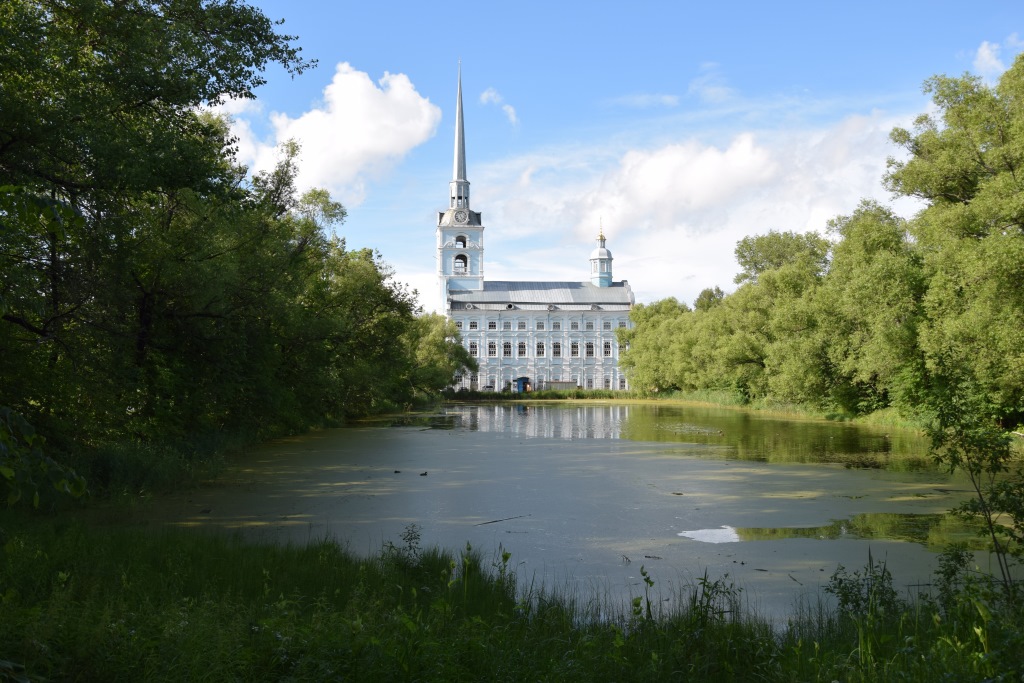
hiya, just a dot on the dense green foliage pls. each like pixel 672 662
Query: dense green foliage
pixel 924 317
pixel 885 312
pixel 152 294
pixel 84 602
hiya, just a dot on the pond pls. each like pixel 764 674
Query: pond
pixel 584 494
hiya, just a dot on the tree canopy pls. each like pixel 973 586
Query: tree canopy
pixel 152 292
pixel 880 311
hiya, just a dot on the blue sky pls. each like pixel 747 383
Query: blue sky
pixel 679 127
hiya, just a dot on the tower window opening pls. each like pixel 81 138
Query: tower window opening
pixel 461 263
pixel 460 241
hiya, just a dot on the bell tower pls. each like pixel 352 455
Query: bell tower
pixel 601 263
pixel 460 231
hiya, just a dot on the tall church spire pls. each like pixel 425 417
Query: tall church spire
pixel 459 172
pixel 459 184
pixel 460 233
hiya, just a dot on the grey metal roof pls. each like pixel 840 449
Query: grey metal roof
pixel 528 294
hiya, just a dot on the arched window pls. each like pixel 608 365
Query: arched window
pixel 590 349
pixel 461 263
pixel 574 349
pixel 607 351
pixel 492 350
pixel 556 349
pixel 460 241
pixel 540 349
pixel 506 349
pixel 521 349
pixel 473 349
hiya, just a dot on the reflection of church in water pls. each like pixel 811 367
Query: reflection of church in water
pixel 543 335
pixel 544 422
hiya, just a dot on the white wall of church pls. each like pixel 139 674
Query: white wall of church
pixel 545 346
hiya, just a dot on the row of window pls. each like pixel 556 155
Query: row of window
pixel 541 349
pixel 540 325
pixel 588 382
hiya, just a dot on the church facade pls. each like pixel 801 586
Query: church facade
pixel 526 335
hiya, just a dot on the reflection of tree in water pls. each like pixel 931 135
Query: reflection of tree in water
pixel 936 531
pixel 737 434
pixel 753 436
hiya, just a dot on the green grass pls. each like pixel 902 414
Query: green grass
pixel 82 602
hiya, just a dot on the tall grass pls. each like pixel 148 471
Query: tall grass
pixel 83 602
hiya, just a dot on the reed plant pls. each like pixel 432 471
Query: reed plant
pixel 104 602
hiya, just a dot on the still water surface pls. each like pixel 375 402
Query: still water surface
pixel 582 495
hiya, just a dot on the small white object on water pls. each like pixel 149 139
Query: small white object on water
pixel 723 534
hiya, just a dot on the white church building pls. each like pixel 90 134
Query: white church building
pixel 526 335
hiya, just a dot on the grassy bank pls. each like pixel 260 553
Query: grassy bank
pixel 86 602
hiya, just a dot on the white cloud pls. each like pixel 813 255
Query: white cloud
pixel 492 96
pixel 710 85
pixel 355 135
pixel 646 101
pixel 674 213
pixel 986 60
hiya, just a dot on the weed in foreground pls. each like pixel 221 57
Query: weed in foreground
pixel 96 604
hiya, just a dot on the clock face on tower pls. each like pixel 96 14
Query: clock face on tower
pixel 461 216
